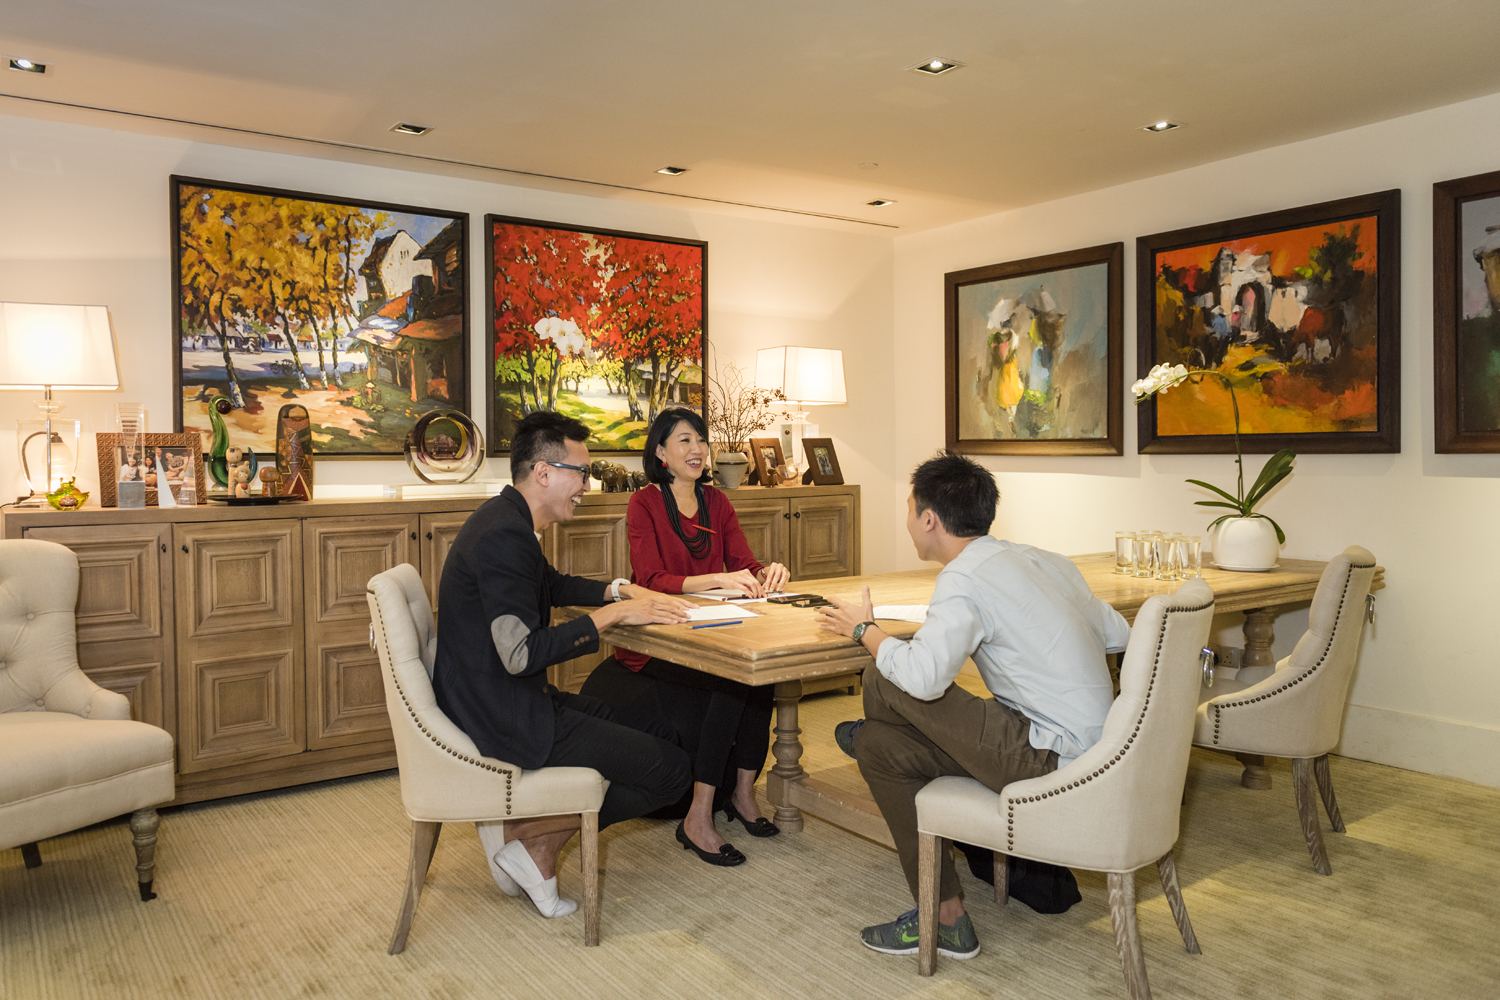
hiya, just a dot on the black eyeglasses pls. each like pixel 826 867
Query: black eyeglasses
pixel 582 470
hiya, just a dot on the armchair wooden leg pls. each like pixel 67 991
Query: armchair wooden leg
pixel 1325 788
pixel 1307 812
pixel 1002 878
pixel 927 902
pixel 424 837
pixel 1128 934
pixel 32 855
pixel 1167 869
pixel 143 825
pixel 588 857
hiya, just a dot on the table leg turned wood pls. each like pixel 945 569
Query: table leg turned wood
pixel 1259 637
pixel 787 749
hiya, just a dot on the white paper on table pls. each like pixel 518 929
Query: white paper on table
pixel 717 594
pixel 902 612
pixel 719 612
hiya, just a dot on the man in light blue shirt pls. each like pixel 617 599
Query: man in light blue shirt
pixel 1038 636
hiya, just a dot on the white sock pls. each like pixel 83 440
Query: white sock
pixel 492 836
pixel 516 862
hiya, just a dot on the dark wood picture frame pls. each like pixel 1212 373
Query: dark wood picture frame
pixel 815 449
pixel 1386 437
pixel 498 423
pixel 107 444
pixel 1449 259
pixel 1112 255
pixel 376 391
pixel 764 468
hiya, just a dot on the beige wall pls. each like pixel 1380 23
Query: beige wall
pixel 1427 694
pixel 84 218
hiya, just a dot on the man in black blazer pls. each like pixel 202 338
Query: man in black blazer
pixel 495 645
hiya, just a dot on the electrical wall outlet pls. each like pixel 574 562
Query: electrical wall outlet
pixel 1227 656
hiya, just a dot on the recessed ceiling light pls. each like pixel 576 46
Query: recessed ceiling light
pixel 1161 126
pixel 25 65
pixel 672 171
pixel 868 165
pixel 880 203
pixel 407 128
pixel 935 67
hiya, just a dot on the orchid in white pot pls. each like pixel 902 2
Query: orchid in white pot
pixel 1240 544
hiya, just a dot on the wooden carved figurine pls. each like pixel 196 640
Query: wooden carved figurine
pixel 294 451
pixel 270 482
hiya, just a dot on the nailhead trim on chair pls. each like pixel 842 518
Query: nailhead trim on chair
pixel 1010 804
pixel 1337 619
pixel 422 726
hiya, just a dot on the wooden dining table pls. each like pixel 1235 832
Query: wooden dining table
pixel 782 645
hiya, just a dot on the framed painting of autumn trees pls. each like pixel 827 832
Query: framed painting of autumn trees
pixel 606 327
pixel 356 310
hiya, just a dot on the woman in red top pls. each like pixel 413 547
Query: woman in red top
pixel 685 537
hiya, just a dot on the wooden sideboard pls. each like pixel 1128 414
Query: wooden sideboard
pixel 244 631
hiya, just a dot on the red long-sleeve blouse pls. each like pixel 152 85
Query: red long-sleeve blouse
pixel 660 561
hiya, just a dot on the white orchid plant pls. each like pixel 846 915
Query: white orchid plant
pixel 1278 467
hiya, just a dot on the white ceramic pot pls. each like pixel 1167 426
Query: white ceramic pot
pixel 730 469
pixel 1246 545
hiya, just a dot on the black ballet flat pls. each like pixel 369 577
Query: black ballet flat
pixel 727 856
pixel 760 828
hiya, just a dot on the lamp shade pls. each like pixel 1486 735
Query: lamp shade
pixel 65 347
pixel 812 376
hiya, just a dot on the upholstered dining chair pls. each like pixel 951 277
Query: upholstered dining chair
pixel 1115 809
pixel 70 756
pixel 444 779
pixel 1297 709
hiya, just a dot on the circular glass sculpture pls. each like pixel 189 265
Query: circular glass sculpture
pixel 444 448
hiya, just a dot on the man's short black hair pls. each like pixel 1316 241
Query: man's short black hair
pixel 542 437
pixel 661 428
pixel 960 491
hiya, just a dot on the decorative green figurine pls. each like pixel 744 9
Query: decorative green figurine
pixel 218 468
pixel 67 496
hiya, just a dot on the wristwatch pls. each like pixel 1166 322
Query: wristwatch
pixel 614 588
pixel 859 631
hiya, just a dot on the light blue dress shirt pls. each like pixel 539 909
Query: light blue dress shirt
pixel 1034 629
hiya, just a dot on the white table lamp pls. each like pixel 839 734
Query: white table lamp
pixel 806 376
pixel 50 347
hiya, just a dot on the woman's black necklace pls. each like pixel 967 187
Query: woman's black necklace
pixel 697 545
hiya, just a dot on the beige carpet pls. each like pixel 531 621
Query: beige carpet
pixel 294 893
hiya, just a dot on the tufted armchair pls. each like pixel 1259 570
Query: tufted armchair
pixel 71 755
pixel 1297 710
pixel 1114 809
pixel 444 779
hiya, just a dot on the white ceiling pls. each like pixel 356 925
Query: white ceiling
pixel 773 103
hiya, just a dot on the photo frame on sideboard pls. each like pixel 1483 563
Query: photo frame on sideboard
pixel 822 463
pixel 1301 308
pixel 1035 355
pixel 1466 314
pixel 768 457
pixel 176 457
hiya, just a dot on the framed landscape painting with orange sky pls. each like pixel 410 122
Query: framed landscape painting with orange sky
pixel 1298 308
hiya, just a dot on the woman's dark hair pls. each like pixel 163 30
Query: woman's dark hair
pixel 960 491
pixel 657 472
pixel 661 428
pixel 542 437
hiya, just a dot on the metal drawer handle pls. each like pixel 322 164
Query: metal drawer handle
pixel 184 548
pixel 787 516
pixel 429 536
pixel 798 514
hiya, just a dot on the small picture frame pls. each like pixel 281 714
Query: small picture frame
pixel 822 463
pixel 768 456
pixel 171 460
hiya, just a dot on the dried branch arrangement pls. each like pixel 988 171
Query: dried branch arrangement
pixel 737 409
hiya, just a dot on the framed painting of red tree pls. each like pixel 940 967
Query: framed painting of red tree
pixel 603 326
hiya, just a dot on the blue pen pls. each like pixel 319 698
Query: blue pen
pixel 717 624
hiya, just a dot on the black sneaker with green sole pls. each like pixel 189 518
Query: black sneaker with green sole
pixel 899 937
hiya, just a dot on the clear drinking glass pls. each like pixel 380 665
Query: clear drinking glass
pixel 1166 556
pixel 1145 553
pixel 1125 552
pixel 1190 550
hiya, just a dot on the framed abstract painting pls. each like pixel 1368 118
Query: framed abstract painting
pixel 1034 351
pixel 603 326
pixel 1466 313
pixel 1299 309
pixel 357 310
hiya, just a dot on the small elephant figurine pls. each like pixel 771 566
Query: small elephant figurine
pixel 637 480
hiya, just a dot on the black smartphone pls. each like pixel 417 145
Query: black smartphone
pixel 792 598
